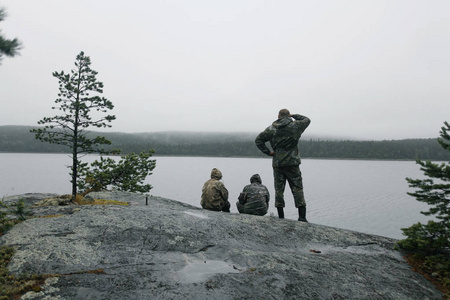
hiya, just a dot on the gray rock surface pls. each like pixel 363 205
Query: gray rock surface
pixel 171 250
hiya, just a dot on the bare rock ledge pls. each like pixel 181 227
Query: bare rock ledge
pixel 171 250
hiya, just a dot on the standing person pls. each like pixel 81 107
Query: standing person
pixel 215 194
pixel 283 135
pixel 254 199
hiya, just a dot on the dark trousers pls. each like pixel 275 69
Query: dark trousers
pixel 293 176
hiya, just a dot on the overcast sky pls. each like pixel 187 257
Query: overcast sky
pixel 358 69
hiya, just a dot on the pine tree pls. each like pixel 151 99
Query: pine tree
pixel 429 243
pixel 8 47
pixel 71 128
pixel 433 237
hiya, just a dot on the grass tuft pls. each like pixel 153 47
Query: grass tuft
pixel 12 286
pixel 83 201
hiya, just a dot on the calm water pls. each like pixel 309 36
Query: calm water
pixel 366 196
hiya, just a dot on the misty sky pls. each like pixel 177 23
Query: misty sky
pixel 358 69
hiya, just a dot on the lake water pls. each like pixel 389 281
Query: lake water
pixel 366 196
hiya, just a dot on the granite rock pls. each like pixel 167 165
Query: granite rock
pixel 171 250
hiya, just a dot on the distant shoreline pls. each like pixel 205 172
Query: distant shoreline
pixel 253 157
pixel 18 139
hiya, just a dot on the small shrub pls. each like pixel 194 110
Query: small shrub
pixel 6 222
pixel 20 209
pixel 128 174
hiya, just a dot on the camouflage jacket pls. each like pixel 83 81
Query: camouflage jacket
pixel 214 195
pixel 283 136
pixel 254 199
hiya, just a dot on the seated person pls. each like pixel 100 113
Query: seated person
pixel 214 193
pixel 254 199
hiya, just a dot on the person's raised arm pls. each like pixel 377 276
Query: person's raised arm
pixel 304 121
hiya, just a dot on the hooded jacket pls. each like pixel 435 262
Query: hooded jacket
pixel 283 136
pixel 214 193
pixel 254 199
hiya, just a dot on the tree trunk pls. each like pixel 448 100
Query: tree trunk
pixel 74 173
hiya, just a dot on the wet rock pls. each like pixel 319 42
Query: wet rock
pixel 171 250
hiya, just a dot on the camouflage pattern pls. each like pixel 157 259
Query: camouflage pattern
pixel 214 193
pixel 254 199
pixel 283 136
pixel 294 177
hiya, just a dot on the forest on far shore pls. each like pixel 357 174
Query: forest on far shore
pixel 19 139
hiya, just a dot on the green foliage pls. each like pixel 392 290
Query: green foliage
pixel 444 141
pixel 77 106
pixel 435 194
pixel 128 174
pixel 434 237
pixel 8 47
pixel 431 241
pixel 428 239
pixel 20 209
pixel 6 220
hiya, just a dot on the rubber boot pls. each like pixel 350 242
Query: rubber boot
pixel 302 214
pixel 280 212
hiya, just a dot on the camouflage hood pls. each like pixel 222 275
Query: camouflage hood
pixel 255 178
pixel 282 122
pixel 216 174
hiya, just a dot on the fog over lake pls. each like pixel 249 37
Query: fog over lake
pixel 366 196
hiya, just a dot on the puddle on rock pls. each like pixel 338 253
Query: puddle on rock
pixel 200 271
